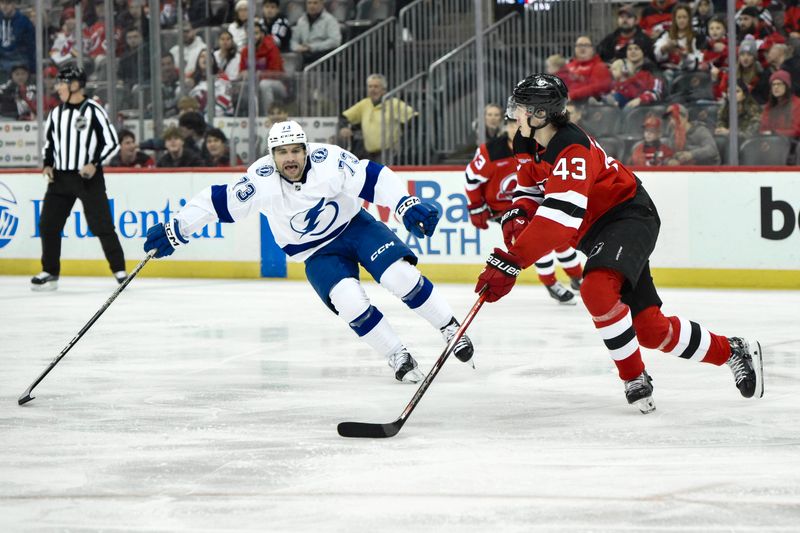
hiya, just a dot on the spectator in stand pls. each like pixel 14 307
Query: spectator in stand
pixel 64 49
pixel 51 98
pixel 748 113
pixel 277 24
pixel 762 16
pixel 123 18
pixel 715 49
pixel 197 81
pixel 192 46
pixel 227 55
pixel 650 152
pixel 782 113
pixel 176 156
pixel 129 154
pixel 18 96
pixel 693 143
pixel 576 114
pixel 316 33
pixel 749 71
pixel 751 24
pixel 555 64
pixel 238 28
pixel 613 45
pixel 678 48
pixel 703 13
pixel 170 86
pixel 586 75
pixel 775 58
pixel 95 44
pixel 219 153
pixel 636 80
pixel 657 17
pixel 792 63
pixel 193 129
pixel 136 51
pixel 367 114
pixel 492 120
pixel 188 104
pixel 17 39
pixel 791 19
pixel 276 113
pixel 269 68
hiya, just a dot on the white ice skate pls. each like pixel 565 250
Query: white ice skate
pixel 44 281
pixel 405 367
pixel 561 294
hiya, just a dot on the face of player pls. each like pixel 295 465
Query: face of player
pixel 682 19
pixel 716 30
pixel 127 148
pixel 778 88
pixel 290 160
pixel 215 146
pixel 493 117
pixel 583 49
pixel 524 114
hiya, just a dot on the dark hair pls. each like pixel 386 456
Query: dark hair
pixel 194 121
pixel 217 134
pixel 200 73
pixel 720 19
pixel 560 120
pixel 673 29
pixel 276 2
pixel 231 53
pixel 124 134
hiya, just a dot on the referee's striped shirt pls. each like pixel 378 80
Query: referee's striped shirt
pixel 79 134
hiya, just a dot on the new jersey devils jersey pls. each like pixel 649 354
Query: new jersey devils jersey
pixel 565 188
pixel 492 175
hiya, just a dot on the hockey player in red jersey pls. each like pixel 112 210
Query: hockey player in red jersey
pixel 491 180
pixel 580 195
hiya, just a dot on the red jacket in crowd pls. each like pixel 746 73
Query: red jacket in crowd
pixel 712 57
pixel 782 119
pixel 641 85
pixel 586 78
pixel 650 155
pixel 657 17
pixel 268 57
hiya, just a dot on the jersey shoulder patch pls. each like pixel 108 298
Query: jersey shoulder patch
pixel 564 138
pixel 265 170
pixel 319 155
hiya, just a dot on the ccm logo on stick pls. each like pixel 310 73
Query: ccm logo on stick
pixel 380 250
pixel 768 207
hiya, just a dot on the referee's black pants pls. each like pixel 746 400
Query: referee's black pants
pixel 68 186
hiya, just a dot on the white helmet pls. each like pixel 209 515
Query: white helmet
pixel 289 132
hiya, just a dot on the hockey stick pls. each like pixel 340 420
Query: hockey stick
pixel 26 396
pixel 381 431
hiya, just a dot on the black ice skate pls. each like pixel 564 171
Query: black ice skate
pixel 44 281
pixel 639 392
pixel 747 366
pixel 463 349
pixel 575 284
pixel 405 367
pixel 561 294
pixel 120 276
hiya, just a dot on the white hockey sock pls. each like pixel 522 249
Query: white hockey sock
pixel 353 306
pixel 545 266
pixel 407 283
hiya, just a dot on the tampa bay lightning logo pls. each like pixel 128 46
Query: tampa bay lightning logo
pixel 319 155
pixel 317 220
pixel 9 221
pixel 265 171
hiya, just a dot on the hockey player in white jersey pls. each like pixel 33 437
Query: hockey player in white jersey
pixel 312 195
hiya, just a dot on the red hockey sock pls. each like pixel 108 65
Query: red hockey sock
pixel 680 337
pixel 612 318
pixel 574 272
pixel 547 279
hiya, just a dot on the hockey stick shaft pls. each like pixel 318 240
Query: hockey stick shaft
pixel 26 396
pixel 366 430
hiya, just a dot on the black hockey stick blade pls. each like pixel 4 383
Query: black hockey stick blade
pixel 361 430
pixel 366 430
pixel 26 396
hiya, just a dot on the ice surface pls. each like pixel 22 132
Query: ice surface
pixel 202 405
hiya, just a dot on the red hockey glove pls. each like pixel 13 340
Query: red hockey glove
pixel 499 275
pixel 514 221
pixel 479 215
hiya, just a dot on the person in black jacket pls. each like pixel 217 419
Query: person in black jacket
pixel 613 45
pixel 177 155
pixel 79 138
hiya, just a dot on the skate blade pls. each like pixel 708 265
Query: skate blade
pixel 47 287
pixel 573 301
pixel 645 405
pixel 758 365
pixel 412 376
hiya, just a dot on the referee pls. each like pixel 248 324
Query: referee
pixel 78 139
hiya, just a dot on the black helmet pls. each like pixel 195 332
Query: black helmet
pixel 72 73
pixel 542 93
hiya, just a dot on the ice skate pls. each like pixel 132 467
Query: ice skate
pixel 44 281
pixel 747 366
pixel 405 367
pixel 561 294
pixel 463 349
pixel 120 276
pixel 575 284
pixel 639 392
